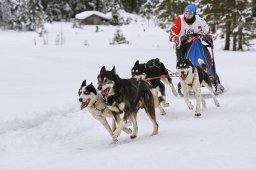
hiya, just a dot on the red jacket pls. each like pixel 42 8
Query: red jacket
pixel 180 27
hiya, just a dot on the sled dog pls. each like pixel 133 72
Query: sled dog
pixel 153 69
pixel 193 78
pixel 89 98
pixel 128 96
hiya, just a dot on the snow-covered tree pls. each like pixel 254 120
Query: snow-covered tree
pixel 36 15
pixel 6 12
pixel 234 18
pixel 67 12
pixel 119 38
pixel 115 14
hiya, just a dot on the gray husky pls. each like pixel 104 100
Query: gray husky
pixel 98 109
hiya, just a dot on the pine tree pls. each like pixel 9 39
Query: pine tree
pixel 67 12
pixel 254 8
pixel 168 10
pixel 99 6
pixel 7 19
pixel 244 22
pixel 36 15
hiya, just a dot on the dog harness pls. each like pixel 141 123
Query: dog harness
pixel 95 106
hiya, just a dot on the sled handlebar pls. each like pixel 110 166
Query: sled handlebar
pixel 193 37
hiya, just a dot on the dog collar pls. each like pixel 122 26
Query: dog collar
pixel 192 82
pixel 95 106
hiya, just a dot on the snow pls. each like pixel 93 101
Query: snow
pixel 42 128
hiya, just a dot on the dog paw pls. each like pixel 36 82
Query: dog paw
pixel 197 114
pixel 217 104
pixel 133 136
pixel 115 134
pixel 163 113
pixel 114 140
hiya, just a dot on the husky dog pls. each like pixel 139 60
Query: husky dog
pixel 98 109
pixel 192 78
pixel 153 70
pixel 128 96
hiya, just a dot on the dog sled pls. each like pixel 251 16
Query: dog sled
pixel 198 53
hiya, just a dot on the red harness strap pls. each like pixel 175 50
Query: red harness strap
pixel 158 77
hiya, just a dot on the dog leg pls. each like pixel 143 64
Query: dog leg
pixel 197 91
pixel 174 92
pixel 212 94
pixel 118 118
pixel 162 112
pixel 104 122
pixel 162 98
pixel 135 126
pixel 159 99
pixel 155 125
pixel 169 82
pixel 203 101
pixel 163 103
pixel 185 93
pixel 113 124
pixel 119 128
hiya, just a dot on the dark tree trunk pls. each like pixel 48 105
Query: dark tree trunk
pixel 228 33
pixel 234 42
pixel 240 40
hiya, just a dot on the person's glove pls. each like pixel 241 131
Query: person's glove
pixel 184 38
pixel 207 38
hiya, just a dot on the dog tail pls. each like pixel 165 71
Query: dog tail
pixel 146 97
pixel 147 102
pixel 202 64
pixel 163 69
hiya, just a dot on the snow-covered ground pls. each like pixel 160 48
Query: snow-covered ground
pixel 42 128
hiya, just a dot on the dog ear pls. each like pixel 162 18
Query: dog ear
pixel 136 63
pixel 84 83
pixel 114 70
pixel 103 69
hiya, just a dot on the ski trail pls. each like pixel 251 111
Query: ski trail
pixel 32 122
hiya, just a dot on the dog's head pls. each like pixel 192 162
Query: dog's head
pixel 139 71
pixel 107 81
pixel 87 95
pixel 184 68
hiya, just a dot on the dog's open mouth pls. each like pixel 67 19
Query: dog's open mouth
pixel 183 76
pixel 84 104
pixel 105 92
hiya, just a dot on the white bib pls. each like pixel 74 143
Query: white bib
pixel 198 27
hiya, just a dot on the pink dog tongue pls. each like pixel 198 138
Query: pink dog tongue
pixel 183 77
pixel 105 92
pixel 84 104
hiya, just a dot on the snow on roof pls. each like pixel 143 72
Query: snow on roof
pixel 123 14
pixel 87 14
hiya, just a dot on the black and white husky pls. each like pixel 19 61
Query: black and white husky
pixel 156 73
pixel 192 78
pixel 128 96
pixel 89 98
